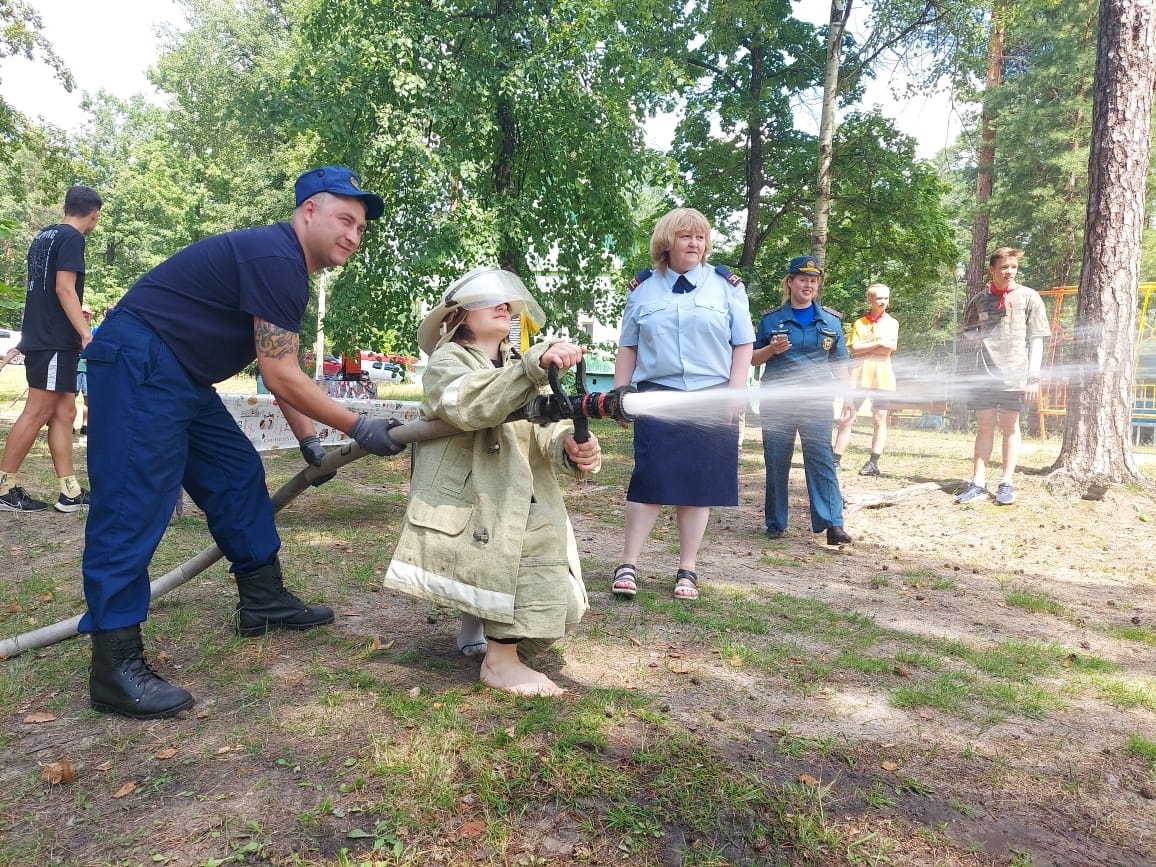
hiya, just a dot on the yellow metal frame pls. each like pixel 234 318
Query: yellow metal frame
pixel 1054 389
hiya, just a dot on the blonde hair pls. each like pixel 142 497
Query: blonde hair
pixel 669 227
pixel 873 290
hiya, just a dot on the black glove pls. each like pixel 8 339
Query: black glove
pixel 372 434
pixel 311 450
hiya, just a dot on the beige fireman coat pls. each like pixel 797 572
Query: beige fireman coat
pixel 461 539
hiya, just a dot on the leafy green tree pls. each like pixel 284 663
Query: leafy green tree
pixel 223 72
pixel 21 36
pixel 743 161
pixel 1043 111
pixel 505 132
pixel 888 226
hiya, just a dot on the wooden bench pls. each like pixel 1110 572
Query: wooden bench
pixel 921 414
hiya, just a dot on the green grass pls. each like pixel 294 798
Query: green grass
pixel 1145 748
pixel 1140 634
pixel 1035 602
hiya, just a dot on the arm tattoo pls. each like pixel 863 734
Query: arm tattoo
pixel 273 341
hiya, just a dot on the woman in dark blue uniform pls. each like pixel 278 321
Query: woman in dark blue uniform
pixel 802 345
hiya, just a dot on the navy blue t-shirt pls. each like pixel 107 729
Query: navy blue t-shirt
pixel 202 300
pixel 45 326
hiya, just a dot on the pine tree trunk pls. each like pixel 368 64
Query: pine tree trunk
pixel 977 262
pixel 1096 450
pixel 838 25
pixel 985 163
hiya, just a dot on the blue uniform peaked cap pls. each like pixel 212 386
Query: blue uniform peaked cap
pixel 805 265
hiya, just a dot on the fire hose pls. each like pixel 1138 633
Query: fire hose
pixel 543 409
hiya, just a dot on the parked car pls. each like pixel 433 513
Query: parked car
pixel 331 366
pixel 385 371
pixel 8 339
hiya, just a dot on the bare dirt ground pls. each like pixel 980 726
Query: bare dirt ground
pixel 963 787
pixel 1057 790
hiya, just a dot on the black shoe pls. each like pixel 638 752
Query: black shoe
pixel 837 536
pixel 869 469
pixel 773 534
pixel 266 604
pixel 122 682
pixel 71 504
pixel 17 500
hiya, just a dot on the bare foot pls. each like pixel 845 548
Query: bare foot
pixel 501 669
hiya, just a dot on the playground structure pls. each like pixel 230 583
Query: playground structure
pixel 1053 400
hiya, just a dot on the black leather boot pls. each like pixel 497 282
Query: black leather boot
pixel 121 681
pixel 266 604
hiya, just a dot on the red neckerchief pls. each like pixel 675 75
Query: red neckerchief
pixel 874 319
pixel 1001 294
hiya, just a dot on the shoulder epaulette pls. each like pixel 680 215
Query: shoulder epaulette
pixel 728 275
pixel 832 311
pixel 772 310
pixel 640 278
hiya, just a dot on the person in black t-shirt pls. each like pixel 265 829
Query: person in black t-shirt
pixel 53 334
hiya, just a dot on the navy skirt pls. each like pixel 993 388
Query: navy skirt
pixel 679 463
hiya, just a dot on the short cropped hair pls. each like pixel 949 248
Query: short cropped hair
pixel 874 288
pixel 1005 253
pixel 669 227
pixel 81 201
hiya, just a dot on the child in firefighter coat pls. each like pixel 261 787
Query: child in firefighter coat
pixel 486 529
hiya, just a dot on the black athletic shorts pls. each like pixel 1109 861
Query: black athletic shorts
pixel 997 398
pixel 51 369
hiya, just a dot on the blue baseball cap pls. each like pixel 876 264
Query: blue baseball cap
pixel 340 181
pixel 805 265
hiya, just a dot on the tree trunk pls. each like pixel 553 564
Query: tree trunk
pixel 840 12
pixel 977 263
pixel 1096 450
pixel 976 275
pixel 754 157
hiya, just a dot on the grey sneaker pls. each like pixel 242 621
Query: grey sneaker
pixel 1005 494
pixel 71 504
pixel 971 493
pixel 869 469
pixel 17 500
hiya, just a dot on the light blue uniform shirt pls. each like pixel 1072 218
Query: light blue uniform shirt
pixel 685 340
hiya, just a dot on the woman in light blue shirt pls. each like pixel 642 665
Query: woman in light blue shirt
pixel 686 327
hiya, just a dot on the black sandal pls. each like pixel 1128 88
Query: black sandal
pixel 625 580
pixel 685 585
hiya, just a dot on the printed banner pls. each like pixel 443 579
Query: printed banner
pixel 262 422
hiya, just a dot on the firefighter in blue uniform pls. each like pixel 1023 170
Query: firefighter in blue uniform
pixel 802 346
pixel 157 425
